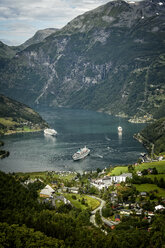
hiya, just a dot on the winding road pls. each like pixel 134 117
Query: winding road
pixel 105 221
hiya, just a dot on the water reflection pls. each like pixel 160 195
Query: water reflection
pixel 50 138
pixel 120 137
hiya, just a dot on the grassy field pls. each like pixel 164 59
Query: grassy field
pixel 118 170
pixel 33 175
pixel 67 177
pixel 8 122
pixel 91 202
pixel 159 165
pixel 48 176
pixel 150 187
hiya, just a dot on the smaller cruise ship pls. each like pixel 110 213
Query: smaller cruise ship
pixel 81 153
pixel 49 131
pixel 120 129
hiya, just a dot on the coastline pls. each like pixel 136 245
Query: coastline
pixel 21 131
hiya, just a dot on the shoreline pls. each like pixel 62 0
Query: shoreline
pixel 19 132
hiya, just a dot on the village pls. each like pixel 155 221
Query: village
pixel 117 193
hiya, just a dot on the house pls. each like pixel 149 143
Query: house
pixel 63 199
pixel 139 173
pixel 47 192
pixel 150 170
pixel 143 194
pixel 121 178
pixel 73 190
pixel 107 181
pixel 150 214
pixel 159 207
pixel 139 212
pixel 160 158
pixel 117 217
pixel 125 212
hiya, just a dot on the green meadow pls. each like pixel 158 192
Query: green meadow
pixel 89 201
pixel 159 165
pixel 150 187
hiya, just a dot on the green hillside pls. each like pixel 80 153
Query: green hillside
pixel 17 117
pixel 153 136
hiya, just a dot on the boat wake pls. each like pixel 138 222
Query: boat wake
pixel 107 138
pixel 97 156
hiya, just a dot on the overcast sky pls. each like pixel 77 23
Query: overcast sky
pixel 20 19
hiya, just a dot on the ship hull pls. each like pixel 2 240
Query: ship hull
pixel 77 157
pixel 51 132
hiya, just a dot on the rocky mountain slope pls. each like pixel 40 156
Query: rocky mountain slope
pixel 110 59
pixel 17 117
pixel 6 51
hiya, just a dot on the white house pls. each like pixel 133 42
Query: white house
pixel 159 207
pixel 109 180
pixel 121 178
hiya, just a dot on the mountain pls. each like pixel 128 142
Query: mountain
pixel 110 59
pixel 6 51
pixel 39 36
pixel 17 117
pixel 10 51
pixel 153 136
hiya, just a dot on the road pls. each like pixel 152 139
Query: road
pixel 105 221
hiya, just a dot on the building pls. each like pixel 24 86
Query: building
pixel 73 190
pixel 47 192
pixel 159 207
pixel 107 181
pixel 121 178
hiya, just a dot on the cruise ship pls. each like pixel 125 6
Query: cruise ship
pixel 49 131
pixel 81 153
pixel 120 129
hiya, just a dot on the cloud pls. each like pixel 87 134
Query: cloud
pixel 20 19
pixel 44 9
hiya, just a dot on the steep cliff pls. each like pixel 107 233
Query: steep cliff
pixel 110 59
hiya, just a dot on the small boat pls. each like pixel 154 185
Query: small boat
pixel 120 129
pixel 49 131
pixel 81 153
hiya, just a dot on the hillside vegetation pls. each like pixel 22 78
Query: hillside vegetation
pixel 17 117
pixel 153 136
pixel 24 222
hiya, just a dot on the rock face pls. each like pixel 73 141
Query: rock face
pixel 110 59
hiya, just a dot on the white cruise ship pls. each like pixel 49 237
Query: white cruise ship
pixel 120 129
pixel 49 131
pixel 81 153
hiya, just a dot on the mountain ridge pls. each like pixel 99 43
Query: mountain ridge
pixel 109 59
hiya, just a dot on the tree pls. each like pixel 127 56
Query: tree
pixel 98 218
pixel 154 171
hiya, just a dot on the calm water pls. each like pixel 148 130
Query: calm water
pixel 76 128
